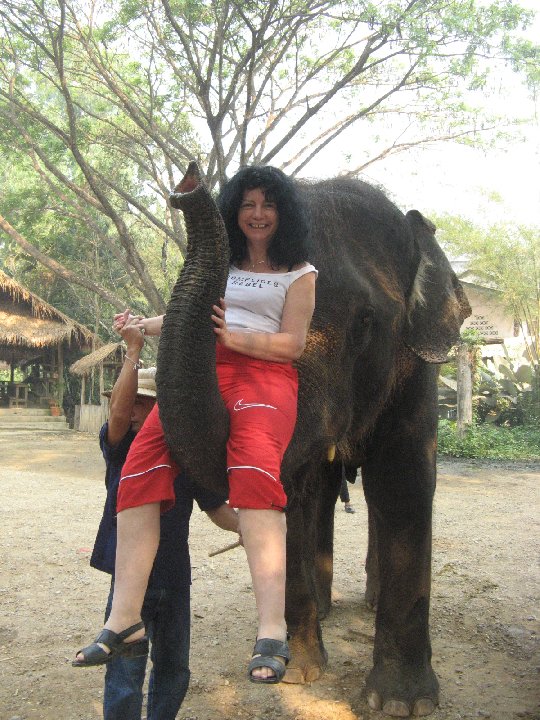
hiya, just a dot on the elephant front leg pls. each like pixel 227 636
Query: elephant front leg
pixel 308 655
pixel 399 484
pixel 402 681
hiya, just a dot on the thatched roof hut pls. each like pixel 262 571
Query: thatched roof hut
pixel 107 360
pixel 86 364
pixel 34 332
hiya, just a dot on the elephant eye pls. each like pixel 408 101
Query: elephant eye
pixel 366 319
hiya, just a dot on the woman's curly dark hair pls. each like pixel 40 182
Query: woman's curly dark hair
pixel 290 244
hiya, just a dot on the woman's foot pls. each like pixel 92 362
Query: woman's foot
pixel 269 661
pixel 131 642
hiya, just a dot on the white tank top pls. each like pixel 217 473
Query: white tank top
pixel 255 300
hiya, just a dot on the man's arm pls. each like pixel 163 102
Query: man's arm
pixel 125 389
pixel 225 517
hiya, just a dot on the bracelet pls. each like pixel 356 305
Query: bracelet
pixel 136 365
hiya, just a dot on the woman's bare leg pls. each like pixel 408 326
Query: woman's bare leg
pixel 136 548
pixel 264 538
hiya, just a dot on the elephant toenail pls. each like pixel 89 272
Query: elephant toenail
pixel 374 700
pixel 423 706
pixel 396 708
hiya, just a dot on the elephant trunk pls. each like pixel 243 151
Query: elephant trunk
pixel 194 418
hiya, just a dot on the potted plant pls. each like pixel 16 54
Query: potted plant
pixel 54 407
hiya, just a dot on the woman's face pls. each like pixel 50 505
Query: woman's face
pixel 258 217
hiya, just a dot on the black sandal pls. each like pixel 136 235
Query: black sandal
pixel 96 655
pixel 265 653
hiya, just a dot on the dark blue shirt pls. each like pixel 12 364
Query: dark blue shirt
pixel 172 567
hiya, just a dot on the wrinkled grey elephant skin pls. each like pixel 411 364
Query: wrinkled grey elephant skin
pixel 388 310
pixel 194 418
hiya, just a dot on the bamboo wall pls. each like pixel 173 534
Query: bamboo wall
pixel 90 418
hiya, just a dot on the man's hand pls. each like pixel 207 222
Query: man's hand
pixel 121 319
pixel 124 392
pixel 132 334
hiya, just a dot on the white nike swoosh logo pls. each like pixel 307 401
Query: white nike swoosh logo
pixel 241 405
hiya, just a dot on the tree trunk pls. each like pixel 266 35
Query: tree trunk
pixel 464 389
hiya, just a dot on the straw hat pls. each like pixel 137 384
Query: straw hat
pixel 146 385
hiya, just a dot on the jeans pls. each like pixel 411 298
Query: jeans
pixel 166 616
pixel 344 491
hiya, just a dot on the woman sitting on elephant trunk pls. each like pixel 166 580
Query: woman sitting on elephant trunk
pixel 261 327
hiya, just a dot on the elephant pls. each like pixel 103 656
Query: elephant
pixel 388 310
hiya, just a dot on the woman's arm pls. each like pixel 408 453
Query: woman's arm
pixel 152 326
pixel 149 326
pixel 287 344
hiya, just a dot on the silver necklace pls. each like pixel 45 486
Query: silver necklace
pixel 253 265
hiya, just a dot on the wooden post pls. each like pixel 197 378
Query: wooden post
pixel 464 389
pixel 60 374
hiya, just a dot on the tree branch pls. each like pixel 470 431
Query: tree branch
pixel 58 269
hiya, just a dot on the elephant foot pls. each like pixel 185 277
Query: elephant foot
pixel 411 694
pixel 398 708
pixel 307 664
pixel 302 675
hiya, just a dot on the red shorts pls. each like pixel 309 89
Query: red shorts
pixel 261 398
pixel 149 472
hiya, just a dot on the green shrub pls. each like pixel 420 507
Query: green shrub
pixel 490 442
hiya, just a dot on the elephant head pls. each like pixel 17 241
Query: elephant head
pixel 386 294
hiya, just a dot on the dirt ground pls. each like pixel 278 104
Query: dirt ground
pixel 485 614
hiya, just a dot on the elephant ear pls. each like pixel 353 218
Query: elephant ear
pixel 437 304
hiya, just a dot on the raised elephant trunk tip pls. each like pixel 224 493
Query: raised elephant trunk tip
pixel 189 183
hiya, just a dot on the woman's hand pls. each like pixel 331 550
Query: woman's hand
pixel 218 318
pixel 122 319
